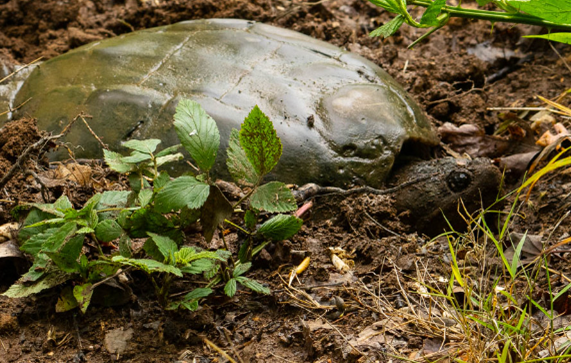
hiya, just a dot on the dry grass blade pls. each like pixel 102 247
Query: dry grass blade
pixel 20 69
pixel 565 110
pixel 301 298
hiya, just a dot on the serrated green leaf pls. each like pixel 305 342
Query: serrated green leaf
pixel 167 247
pixel 66 257
pixel 556 11
pixel 224 255
pixel 197 293
pixel 136 157
pixel 197 132
pixel 162 160
pixel 556 37
pixel 85 230
pixel 273 197
pixel 237 162
pixel 48 208
pixel 241 269
pixel 245 252
pixel 59 237
pixel 148 220
pixel 92 219
pixel 108 230
pixel 149 266
pixel 66 301
pixel 34 244
pixel 125 244
pixel 198 266
pixel 88 208
pixel 160 181
pixel 188 254
pixel 230 288
pixel 144 146
pixel 212 272
pixel 18 290
pixel 430 16
pixel 82 294
pixel 216 209
pixel 280 227
pixel 145 197
pixel 180 192
pixel 251 219
pixel 253 285
pixel 34 216
pixel 115 162
pixel 37 270
pixel 113 199
pixel 63 203
pixel 260 142
pixel 388 29
pixel 47 222
pixel 168 151
pixel 192 306
pixel 389 5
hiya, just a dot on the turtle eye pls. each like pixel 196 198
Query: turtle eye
pixel 458 181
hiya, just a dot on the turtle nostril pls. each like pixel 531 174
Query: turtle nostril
pixel 458 181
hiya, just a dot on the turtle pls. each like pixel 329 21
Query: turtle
pixel 342 119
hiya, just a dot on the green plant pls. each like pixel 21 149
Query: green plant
pixel 69 244
pixel 547 13
pixel 496 309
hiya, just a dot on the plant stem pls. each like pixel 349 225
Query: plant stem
pixel 221 228
pixel 237 226
pixel 244 197
pixel 493 16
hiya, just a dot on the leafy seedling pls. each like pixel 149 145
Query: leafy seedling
pixel 546 13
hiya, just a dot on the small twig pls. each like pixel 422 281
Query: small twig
pixel 83 117
pixel 525 109
pixel 234 350
pixel 381 226
pixel 20 69
pixel 447 99
pixel 10 109
pixel 110 277
pixel 3 346
pixel 560 57
pixel 126 24
pixel 38 145
pixel 219 350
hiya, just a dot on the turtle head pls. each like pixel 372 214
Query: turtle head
pixel 430 204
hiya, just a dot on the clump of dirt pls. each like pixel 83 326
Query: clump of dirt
pixel 15 138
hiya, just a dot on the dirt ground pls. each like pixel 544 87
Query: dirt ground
pixel 456 76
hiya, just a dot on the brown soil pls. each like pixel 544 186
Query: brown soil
pixel 452 85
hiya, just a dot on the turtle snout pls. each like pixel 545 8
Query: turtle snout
pixel 458 180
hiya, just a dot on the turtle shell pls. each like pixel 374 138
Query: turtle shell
pixel 342 119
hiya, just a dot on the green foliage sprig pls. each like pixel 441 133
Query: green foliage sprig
pixel 547 13
pixel 69 244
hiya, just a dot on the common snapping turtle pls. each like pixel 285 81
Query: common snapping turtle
pixel 342 119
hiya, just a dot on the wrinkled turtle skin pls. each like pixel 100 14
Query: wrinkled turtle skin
pixel 342 119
